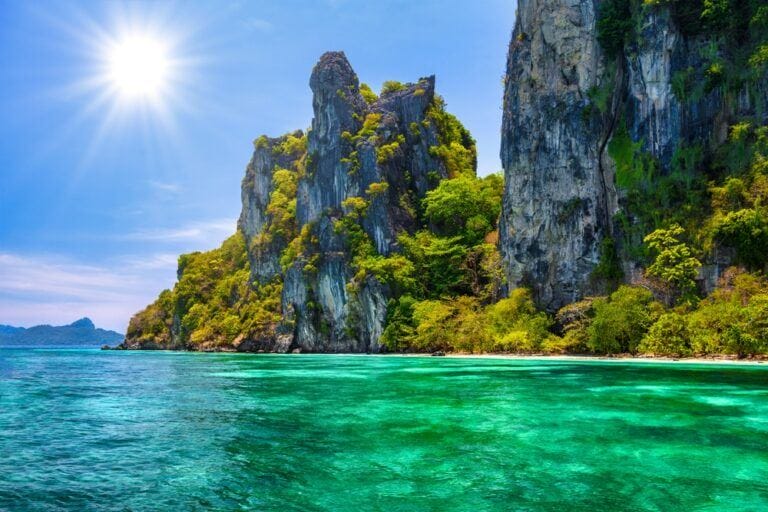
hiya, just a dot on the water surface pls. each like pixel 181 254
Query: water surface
pixel 89 430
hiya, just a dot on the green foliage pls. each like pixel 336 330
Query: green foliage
pixel 467 207
pixel 399 326
pixel 395 270
pixel 291 144
pixel 282 206
pixel 457 147
pixel 377 189
pixel 574 320
pixel 609 267
pixel 686 86
pixel 437 260
pixel 435 324
pixel 614 26
pixel 367 93
pixel 296 247
pixel 674 264
pixel 601 95
pixel 655 198
pixel 391 86
pixel 515 324
pixel 733 320
pixel 367 130
pixel 484 276
pixel 214 301
pixel 621 321
pixel 745 230
pixel 633 167
pixel 153 324
pixel 462 324
pixel 387 152
pixel 669 336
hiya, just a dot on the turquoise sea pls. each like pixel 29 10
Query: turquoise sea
pixel 88 430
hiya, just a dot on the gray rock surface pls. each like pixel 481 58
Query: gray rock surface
pixel 255 191
pixel 556 200
pixel 325 309
pixel 560 195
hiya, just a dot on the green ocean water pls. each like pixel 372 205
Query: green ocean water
pixel 89 430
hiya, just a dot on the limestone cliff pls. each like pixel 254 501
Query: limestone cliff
pixel 571 110
pixel 312 204
pixel 378 152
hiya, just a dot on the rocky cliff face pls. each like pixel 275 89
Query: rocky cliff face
pixel 375 151
pixel 565 100
pixel 270 155
pixel 557 196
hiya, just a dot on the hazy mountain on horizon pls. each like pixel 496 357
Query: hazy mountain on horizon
pixel 81 333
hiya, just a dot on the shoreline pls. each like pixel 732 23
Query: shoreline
pixel 617 359
pixel 714 360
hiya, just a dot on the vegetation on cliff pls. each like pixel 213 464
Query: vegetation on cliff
pixel 439 271
pixel 212 305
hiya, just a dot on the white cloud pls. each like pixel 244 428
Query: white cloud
pixel 258 24
pixel 56 290
pixel 167 188
pixel 153 262
pixel 210 232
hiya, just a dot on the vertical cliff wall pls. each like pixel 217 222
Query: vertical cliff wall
pixel 373 154
pixel 584 129
pixel 556 201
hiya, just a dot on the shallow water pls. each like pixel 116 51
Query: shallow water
pixel 90 430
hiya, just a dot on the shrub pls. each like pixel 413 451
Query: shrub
pixel 516 325
pixel 614 26
pixel 669 336
pixel 367 93
pixel 674 264
pixel 621 321
pixel 391 86
pixel 745 230
pixel 467 207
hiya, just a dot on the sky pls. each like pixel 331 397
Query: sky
pixel 101 187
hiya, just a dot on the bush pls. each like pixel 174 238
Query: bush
pixel 734 319
pixel 515 325
pixel 614 26
pixel 621 321
pixel 467 207
pixel 746 231
pixel 669 336
pixel 674 264
pixel 391 86
pixel 367 93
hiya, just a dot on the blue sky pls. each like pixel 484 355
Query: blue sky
pixel 99 194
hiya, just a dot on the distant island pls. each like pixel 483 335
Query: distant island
pixel 82 333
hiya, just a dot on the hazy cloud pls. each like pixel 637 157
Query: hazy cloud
pixel 258 25
pixel 56 290
pixel 169 188
pixel 209 232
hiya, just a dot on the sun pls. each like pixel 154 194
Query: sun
pixel 139 66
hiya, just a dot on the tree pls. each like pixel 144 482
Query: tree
pixel 438 260
pixel 622 320
pixel 746 231
pixel 467 207
pixel 669 336
pixel 614 24
pixel 674 265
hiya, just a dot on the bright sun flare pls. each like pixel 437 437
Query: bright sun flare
pixel 139 66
